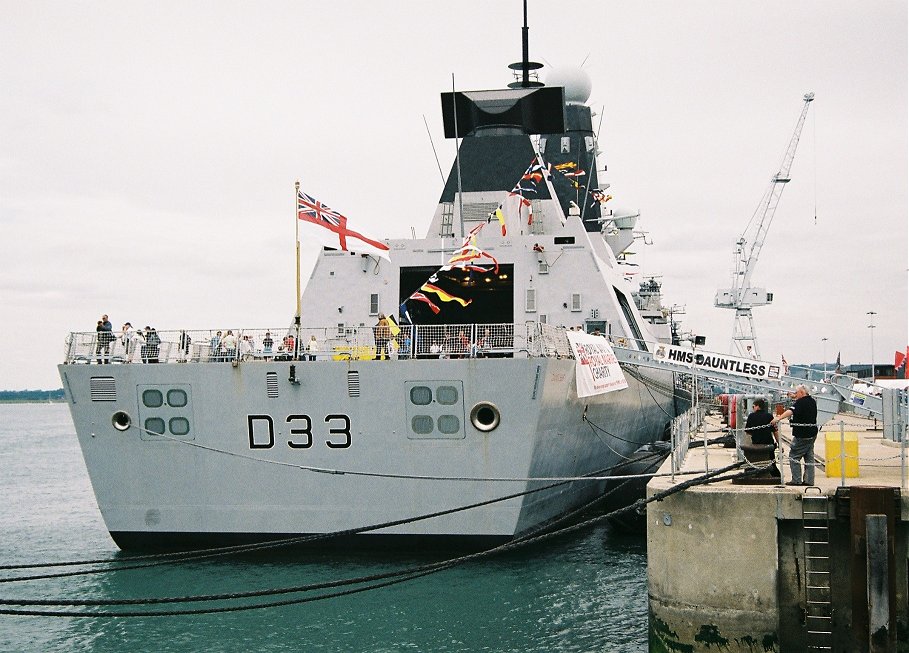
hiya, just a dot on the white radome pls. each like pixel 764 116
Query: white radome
pixel 576 82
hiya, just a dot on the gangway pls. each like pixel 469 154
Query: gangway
pixel 833 395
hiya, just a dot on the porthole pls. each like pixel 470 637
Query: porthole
pixel 121 420
pixel 176 398
pixel 152 398
pixel 485 416
pixel 155 425
pixel 420 395
pixel 421 424
pixel 447 395
pixel 178 425
pixel 449 424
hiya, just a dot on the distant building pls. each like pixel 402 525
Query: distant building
pixel 863 371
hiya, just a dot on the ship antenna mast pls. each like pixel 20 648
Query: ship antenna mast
pixel 742 297
pixel 523 76
pixel 525 50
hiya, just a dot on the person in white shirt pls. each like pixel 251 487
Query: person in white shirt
pixel 128 337
pixel 312 348
pixel 228 346
pixel 246 349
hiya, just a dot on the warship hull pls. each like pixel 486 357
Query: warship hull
pixel 275 449
pixel 476 430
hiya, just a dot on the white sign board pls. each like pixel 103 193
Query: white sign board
pixel 708 361
pixel 597 370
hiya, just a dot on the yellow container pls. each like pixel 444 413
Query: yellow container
pixel 834 445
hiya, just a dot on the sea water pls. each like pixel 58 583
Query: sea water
pixel 582 592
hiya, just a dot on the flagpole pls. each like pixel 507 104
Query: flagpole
pixel 297 239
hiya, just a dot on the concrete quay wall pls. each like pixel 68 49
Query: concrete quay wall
pixel 726 564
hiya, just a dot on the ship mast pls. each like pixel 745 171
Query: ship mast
pixel 523 67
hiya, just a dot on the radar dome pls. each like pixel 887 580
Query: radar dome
pixel 576 82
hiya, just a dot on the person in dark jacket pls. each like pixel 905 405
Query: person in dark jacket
pixel 153 346
pixel 803 418
pixel 758 425
pixel 105 336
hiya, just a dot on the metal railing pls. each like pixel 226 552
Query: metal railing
pixel 681 429
pixel 341 343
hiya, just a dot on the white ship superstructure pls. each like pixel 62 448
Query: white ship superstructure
pixel 475 401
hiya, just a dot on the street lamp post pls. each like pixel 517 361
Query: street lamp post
pixel 824 340
pixel 871 326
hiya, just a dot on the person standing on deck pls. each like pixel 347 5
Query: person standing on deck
pixel 382 333
pixel 105 335
pixel 185 342
pixel 312 348
pixel 214 345
pixel 267 343
pixel 128 336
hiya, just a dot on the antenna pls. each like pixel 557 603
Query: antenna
pixel 435 154
pixel 522 69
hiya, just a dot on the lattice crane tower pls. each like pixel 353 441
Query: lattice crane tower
pixel 741 296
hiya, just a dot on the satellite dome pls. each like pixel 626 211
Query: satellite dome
pixel 576 82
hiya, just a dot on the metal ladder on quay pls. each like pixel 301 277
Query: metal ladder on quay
pixel 818 602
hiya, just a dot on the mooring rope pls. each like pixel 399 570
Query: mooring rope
pixel 169 558
pixel 384 580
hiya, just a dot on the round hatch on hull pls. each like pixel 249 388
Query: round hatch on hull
pixel 485 416
pixel 121 420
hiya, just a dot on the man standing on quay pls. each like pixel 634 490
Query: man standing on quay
pixel 803 414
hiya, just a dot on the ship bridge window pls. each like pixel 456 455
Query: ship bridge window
pixel 564 240
pixel 629 317
pixel 489 295
pixel 155 425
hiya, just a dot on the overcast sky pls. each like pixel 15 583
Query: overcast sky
pixel 148 153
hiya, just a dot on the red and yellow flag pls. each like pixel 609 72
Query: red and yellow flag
pixel 444 296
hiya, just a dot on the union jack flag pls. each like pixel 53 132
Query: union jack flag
pixel 309 208
pixel 338 234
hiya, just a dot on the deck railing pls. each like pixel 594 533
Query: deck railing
pixel 342 342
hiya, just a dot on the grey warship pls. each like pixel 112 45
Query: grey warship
pixel 467 394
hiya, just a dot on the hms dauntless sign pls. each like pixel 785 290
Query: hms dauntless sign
pixel 713 362
pixel 597 369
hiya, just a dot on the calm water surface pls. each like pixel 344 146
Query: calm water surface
pixel 586 592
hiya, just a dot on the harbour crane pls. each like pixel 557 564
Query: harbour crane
pixel 741 296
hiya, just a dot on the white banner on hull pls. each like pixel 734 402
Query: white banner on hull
pixel 597 370
pixel 712 362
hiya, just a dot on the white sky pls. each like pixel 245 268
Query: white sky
pixel 148 152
